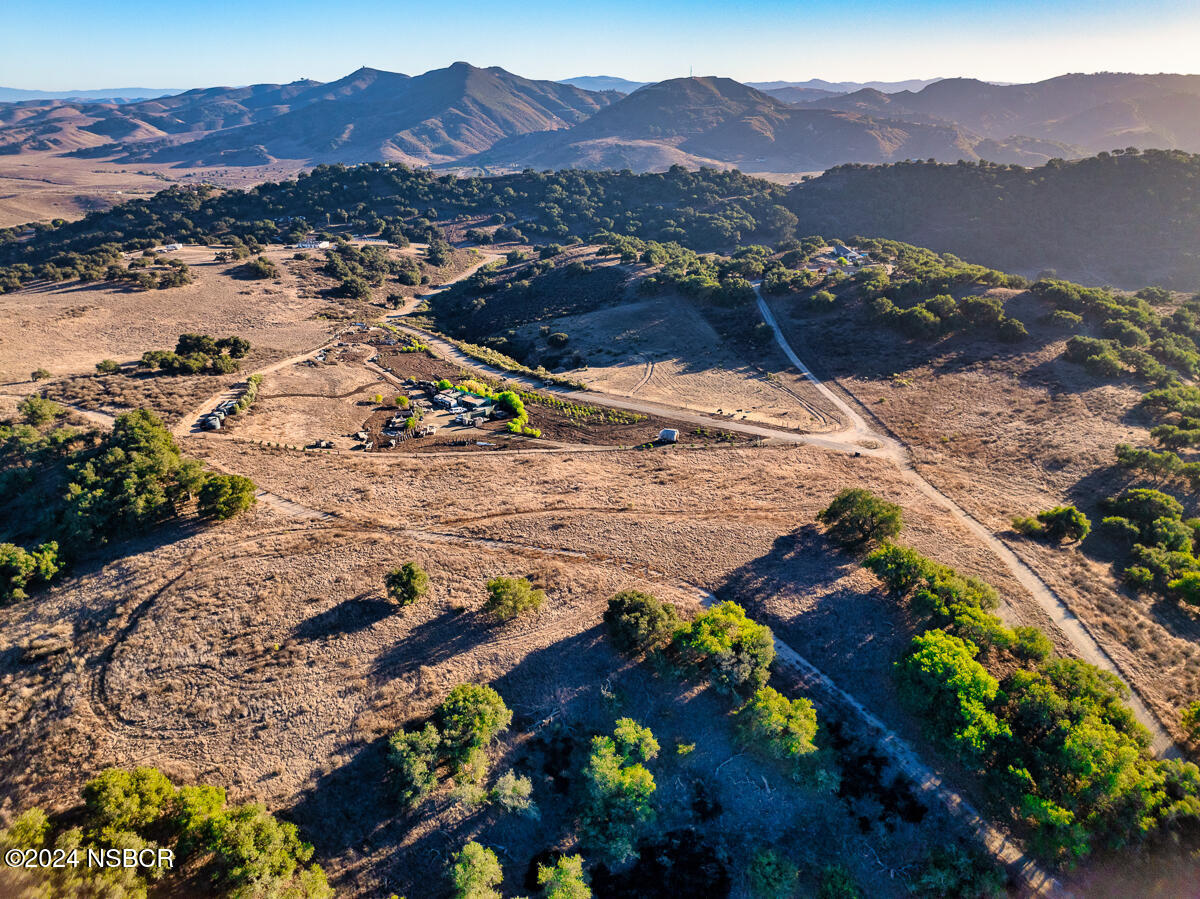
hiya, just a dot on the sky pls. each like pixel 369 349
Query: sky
pixel 86 44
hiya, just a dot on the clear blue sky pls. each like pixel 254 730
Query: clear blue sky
pixel 84 44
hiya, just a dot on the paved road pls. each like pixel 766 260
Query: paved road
pixel 1075 630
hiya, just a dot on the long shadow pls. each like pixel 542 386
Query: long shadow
pixel 448 635
pixel 807 547
pixel 347 617
pixel 350 805
pixel 352 810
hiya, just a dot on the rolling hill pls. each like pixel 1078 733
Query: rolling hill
pixel 717 121
pixel 439 116
pixel 1095 112
pixel 1128 219
pixel 490 118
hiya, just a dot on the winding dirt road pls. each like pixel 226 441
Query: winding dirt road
pixel 1076 630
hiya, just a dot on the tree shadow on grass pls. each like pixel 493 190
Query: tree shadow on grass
pixel 347 617
pixel 449 634
pixel 806 553
pixel 351 813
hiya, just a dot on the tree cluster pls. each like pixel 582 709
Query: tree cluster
pixel 71 491
pixel 222 850
pixel 196 353
pixel 463 727
pixel 1053 738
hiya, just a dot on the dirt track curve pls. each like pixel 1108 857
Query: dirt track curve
pixel 1076 631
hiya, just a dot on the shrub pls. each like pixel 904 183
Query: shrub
pixel 1032 644
pixel 1144 506
pixel 250 846
pixel 1012 330
pixel 1065 318
pixel 1189 720
pixel 638 621
pixel 509 597
pixel 406 584
pixel 20 568
pixel 108 366
pixel 784 727
pixel 225 495
pixel 1187 587
pixel 1138 577
pixel 857 516
pixel 1055 525
pixel 837 883
pixel 259 269
pixel 476 873
pixel 1121 529
pixel 39 374
pixel 126 800
pixel 771 876
pixel 413 758
pixel 952 872
pixel 617 790
pixel 558 340
pixel 28 831
pixel 470 718
pixel 37 411
pixel 514 793
pixel 732 650
pixel 565 879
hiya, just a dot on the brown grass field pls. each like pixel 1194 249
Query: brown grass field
pixel 67 328
pixel 40 186
pixel 279 685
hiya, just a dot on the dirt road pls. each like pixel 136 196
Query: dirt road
pixel 1076 630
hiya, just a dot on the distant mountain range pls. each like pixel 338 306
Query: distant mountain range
pixel 845 87
pixel 604 83
pixel 720 122
pixel 815 85
pixel 1095 112
pixel 489 119
pixel 104 95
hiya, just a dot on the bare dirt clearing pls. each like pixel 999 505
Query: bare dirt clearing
pixel 302 403
pixel 664 351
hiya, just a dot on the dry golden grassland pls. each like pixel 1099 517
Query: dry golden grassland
pixel 67 328
pixel 261 655
pixel 662 350
pixel 40 186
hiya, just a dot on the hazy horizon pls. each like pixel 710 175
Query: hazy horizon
pixel 867 40
pixel 163 91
